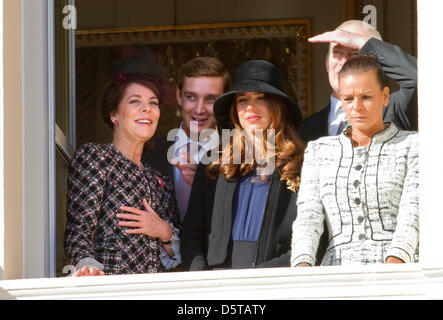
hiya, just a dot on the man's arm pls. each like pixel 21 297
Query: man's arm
pixel 401 67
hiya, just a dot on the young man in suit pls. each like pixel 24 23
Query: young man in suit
pixel 357 37
pixel 199 82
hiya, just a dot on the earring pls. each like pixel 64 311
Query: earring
pixel 116 123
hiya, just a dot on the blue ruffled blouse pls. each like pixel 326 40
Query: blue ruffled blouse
pixel 248 208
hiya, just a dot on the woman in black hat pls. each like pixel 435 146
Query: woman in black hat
pixel 243 204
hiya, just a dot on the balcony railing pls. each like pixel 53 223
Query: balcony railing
pixel 408 281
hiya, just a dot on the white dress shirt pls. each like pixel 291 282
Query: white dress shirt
pixel 336 115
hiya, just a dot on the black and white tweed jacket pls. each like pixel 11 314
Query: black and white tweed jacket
pixel 101 179
pixel 368 196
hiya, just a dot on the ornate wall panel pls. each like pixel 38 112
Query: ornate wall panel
pixel 282 42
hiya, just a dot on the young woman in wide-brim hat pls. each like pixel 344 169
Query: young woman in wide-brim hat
pixel 243 204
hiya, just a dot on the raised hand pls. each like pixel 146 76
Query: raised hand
pixel 342 37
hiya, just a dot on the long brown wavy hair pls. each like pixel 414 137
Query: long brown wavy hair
pixel 288 151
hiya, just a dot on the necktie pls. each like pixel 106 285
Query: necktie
pixel 183 189
pixel 343 124
pixel 183 192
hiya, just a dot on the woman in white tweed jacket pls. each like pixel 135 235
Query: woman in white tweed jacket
pixel 363 182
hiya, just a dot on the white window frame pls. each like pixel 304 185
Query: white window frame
pixel 38 251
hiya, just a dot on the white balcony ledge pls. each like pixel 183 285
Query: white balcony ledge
pixel 409 281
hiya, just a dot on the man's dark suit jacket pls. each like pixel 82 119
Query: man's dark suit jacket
pixel 206 233
pixel 402 107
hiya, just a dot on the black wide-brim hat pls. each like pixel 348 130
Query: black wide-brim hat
pixel 255 76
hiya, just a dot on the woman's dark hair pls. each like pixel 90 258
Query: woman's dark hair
pixel 116 87
pixel 364 63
